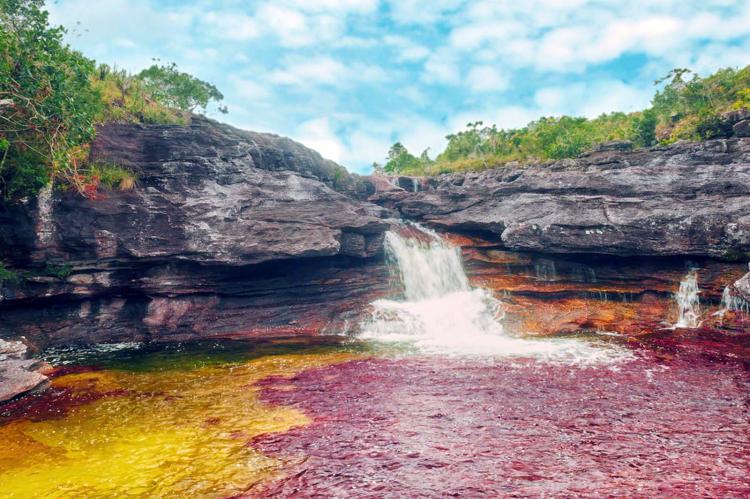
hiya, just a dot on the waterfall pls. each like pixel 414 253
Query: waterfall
pixel 439 308
pixel 688 302
pixel 730 302
pixel 440 312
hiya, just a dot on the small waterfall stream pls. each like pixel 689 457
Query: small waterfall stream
pixel 731 303
pixel 688 302
pixel 440 312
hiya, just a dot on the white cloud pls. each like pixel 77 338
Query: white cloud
pixel 325 71
pixel 319 135
pixel 338 75
pixel 321 70
pixel 569 36
pixel 232 25
pixel 408 50
pixel 290 25
pixel 486 79
pixel 250 89
pixel 591 98
pixel 336 6
pixel 421 12
pixel 442 67
pixel 364 148
pixel 125 43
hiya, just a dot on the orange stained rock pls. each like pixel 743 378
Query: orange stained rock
pixel 548 317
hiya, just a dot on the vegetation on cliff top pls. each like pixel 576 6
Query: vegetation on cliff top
pixel 686 107
pixel 51 98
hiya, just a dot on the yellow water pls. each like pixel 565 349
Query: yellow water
pixel 177 432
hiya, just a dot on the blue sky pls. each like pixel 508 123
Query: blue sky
pixel 350 77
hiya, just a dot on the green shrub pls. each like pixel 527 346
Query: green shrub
pixel 643 131
pixel 175 89
pixel 58 271
pixel 7 275
pixel 48 103
pixel 400 160
pixel 111 176
pixel 126 100
pixel 686 107
pixel 51 98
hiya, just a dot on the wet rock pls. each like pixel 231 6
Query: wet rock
pixel 685 199
pixel 741 288
pixel 546 294
pixel 18 374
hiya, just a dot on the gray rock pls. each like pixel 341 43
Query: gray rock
pixel 209 193
pixel 228 232
pixel 18 374
pixel 742 128
pixel 729 118
pixel 741 288
pixel 685 199
pixel 614 145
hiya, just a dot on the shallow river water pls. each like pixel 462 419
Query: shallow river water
pixel 332 417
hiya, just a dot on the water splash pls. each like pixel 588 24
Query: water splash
pixel 441 313
pixel 731 303
pixel 688 302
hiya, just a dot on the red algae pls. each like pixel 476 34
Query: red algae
pixel 434 426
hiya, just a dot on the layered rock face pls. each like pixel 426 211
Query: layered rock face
pixel 685 199
pixel 601 243
pixel 547 294
pixel 233 233
pixel 228 232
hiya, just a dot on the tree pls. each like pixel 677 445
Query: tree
pixel 176 89
pixel 400 159
pixel 424 158
pixel 644 128
pixel 48 106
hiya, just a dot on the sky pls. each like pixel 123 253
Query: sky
pixel 351 77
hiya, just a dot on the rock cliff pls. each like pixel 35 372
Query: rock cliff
pixel 601 243
pixel 228 232
pixel 233 233
pixel 684 199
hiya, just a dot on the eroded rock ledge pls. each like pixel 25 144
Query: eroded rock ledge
pixel 684 199
pixel 228 232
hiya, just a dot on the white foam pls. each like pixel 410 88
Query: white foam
pixel 688 302
pixel 440 313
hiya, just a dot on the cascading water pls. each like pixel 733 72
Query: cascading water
pixel 688 302
pixel 731 303
pixel 441 313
